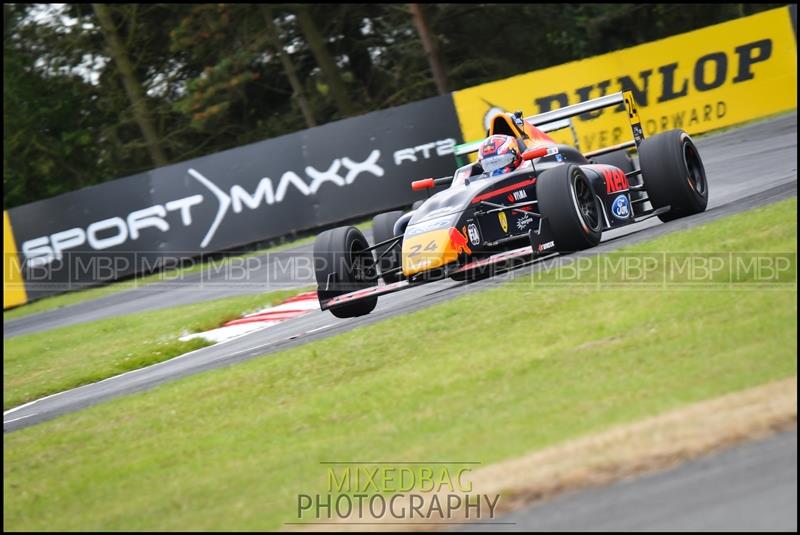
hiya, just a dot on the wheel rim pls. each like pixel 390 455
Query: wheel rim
pixel 585 203
pixel 696 173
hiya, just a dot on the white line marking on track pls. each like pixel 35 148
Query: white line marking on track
pixel 319 328
pixel 28 404
pixel 20 418
pixel 252 348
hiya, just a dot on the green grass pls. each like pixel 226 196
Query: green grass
pixel 78 296
pixel 484 377
pixel 38 364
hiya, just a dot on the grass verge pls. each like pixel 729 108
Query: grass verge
pixel 485 377
pixel 656 443
pixel 39 364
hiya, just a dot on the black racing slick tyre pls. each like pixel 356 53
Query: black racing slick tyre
pixel 572 209
pixel 673 174
pixel 388 258
pixel 618 158
pixel 342 264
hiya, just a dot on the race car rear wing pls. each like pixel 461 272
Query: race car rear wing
pixel 614 99
pixel 550 121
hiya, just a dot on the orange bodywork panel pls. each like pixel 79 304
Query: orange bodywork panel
pixel 433 249
pixel 532 136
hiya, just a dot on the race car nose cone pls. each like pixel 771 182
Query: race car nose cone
pixel 432 250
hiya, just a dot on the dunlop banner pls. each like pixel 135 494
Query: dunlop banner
pixel 698 81
pixel 13 286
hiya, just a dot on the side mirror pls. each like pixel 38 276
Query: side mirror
pixel 425 183
pixel 538 152
pixel 532 154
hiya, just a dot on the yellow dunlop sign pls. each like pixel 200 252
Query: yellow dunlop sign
pixel 698 81
pixel 13 286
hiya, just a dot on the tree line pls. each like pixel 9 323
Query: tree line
pixel 95 92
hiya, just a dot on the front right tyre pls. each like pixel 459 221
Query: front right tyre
pixel 388 255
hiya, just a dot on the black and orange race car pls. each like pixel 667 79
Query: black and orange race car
pixel 559 200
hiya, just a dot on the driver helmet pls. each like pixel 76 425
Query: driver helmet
pixel 499 154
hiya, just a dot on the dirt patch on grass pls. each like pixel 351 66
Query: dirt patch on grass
pixel 656 443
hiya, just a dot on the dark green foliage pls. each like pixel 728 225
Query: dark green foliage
pixel 212 80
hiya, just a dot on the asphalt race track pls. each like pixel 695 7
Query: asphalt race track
pixel 752 487
pixel 747 167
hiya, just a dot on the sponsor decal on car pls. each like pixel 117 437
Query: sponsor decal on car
pixel 621 208
pixel 615 179
pixel 524 221
pixel 474 234
pixel 546 245
pixel 459 241
pixel 502 191
pixel 518 195
pixel 427 226
pixel 503 221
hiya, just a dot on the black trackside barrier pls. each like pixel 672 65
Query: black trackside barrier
pixel 297 182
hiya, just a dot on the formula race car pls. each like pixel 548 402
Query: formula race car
pixel 525 196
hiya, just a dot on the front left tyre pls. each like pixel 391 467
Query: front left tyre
pixel 343 264
pixel 574 212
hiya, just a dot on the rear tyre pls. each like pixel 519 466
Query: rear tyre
pixel 567 200
pixel 342 265
pixel 673 174
pixel 382 230
pixel 618 158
